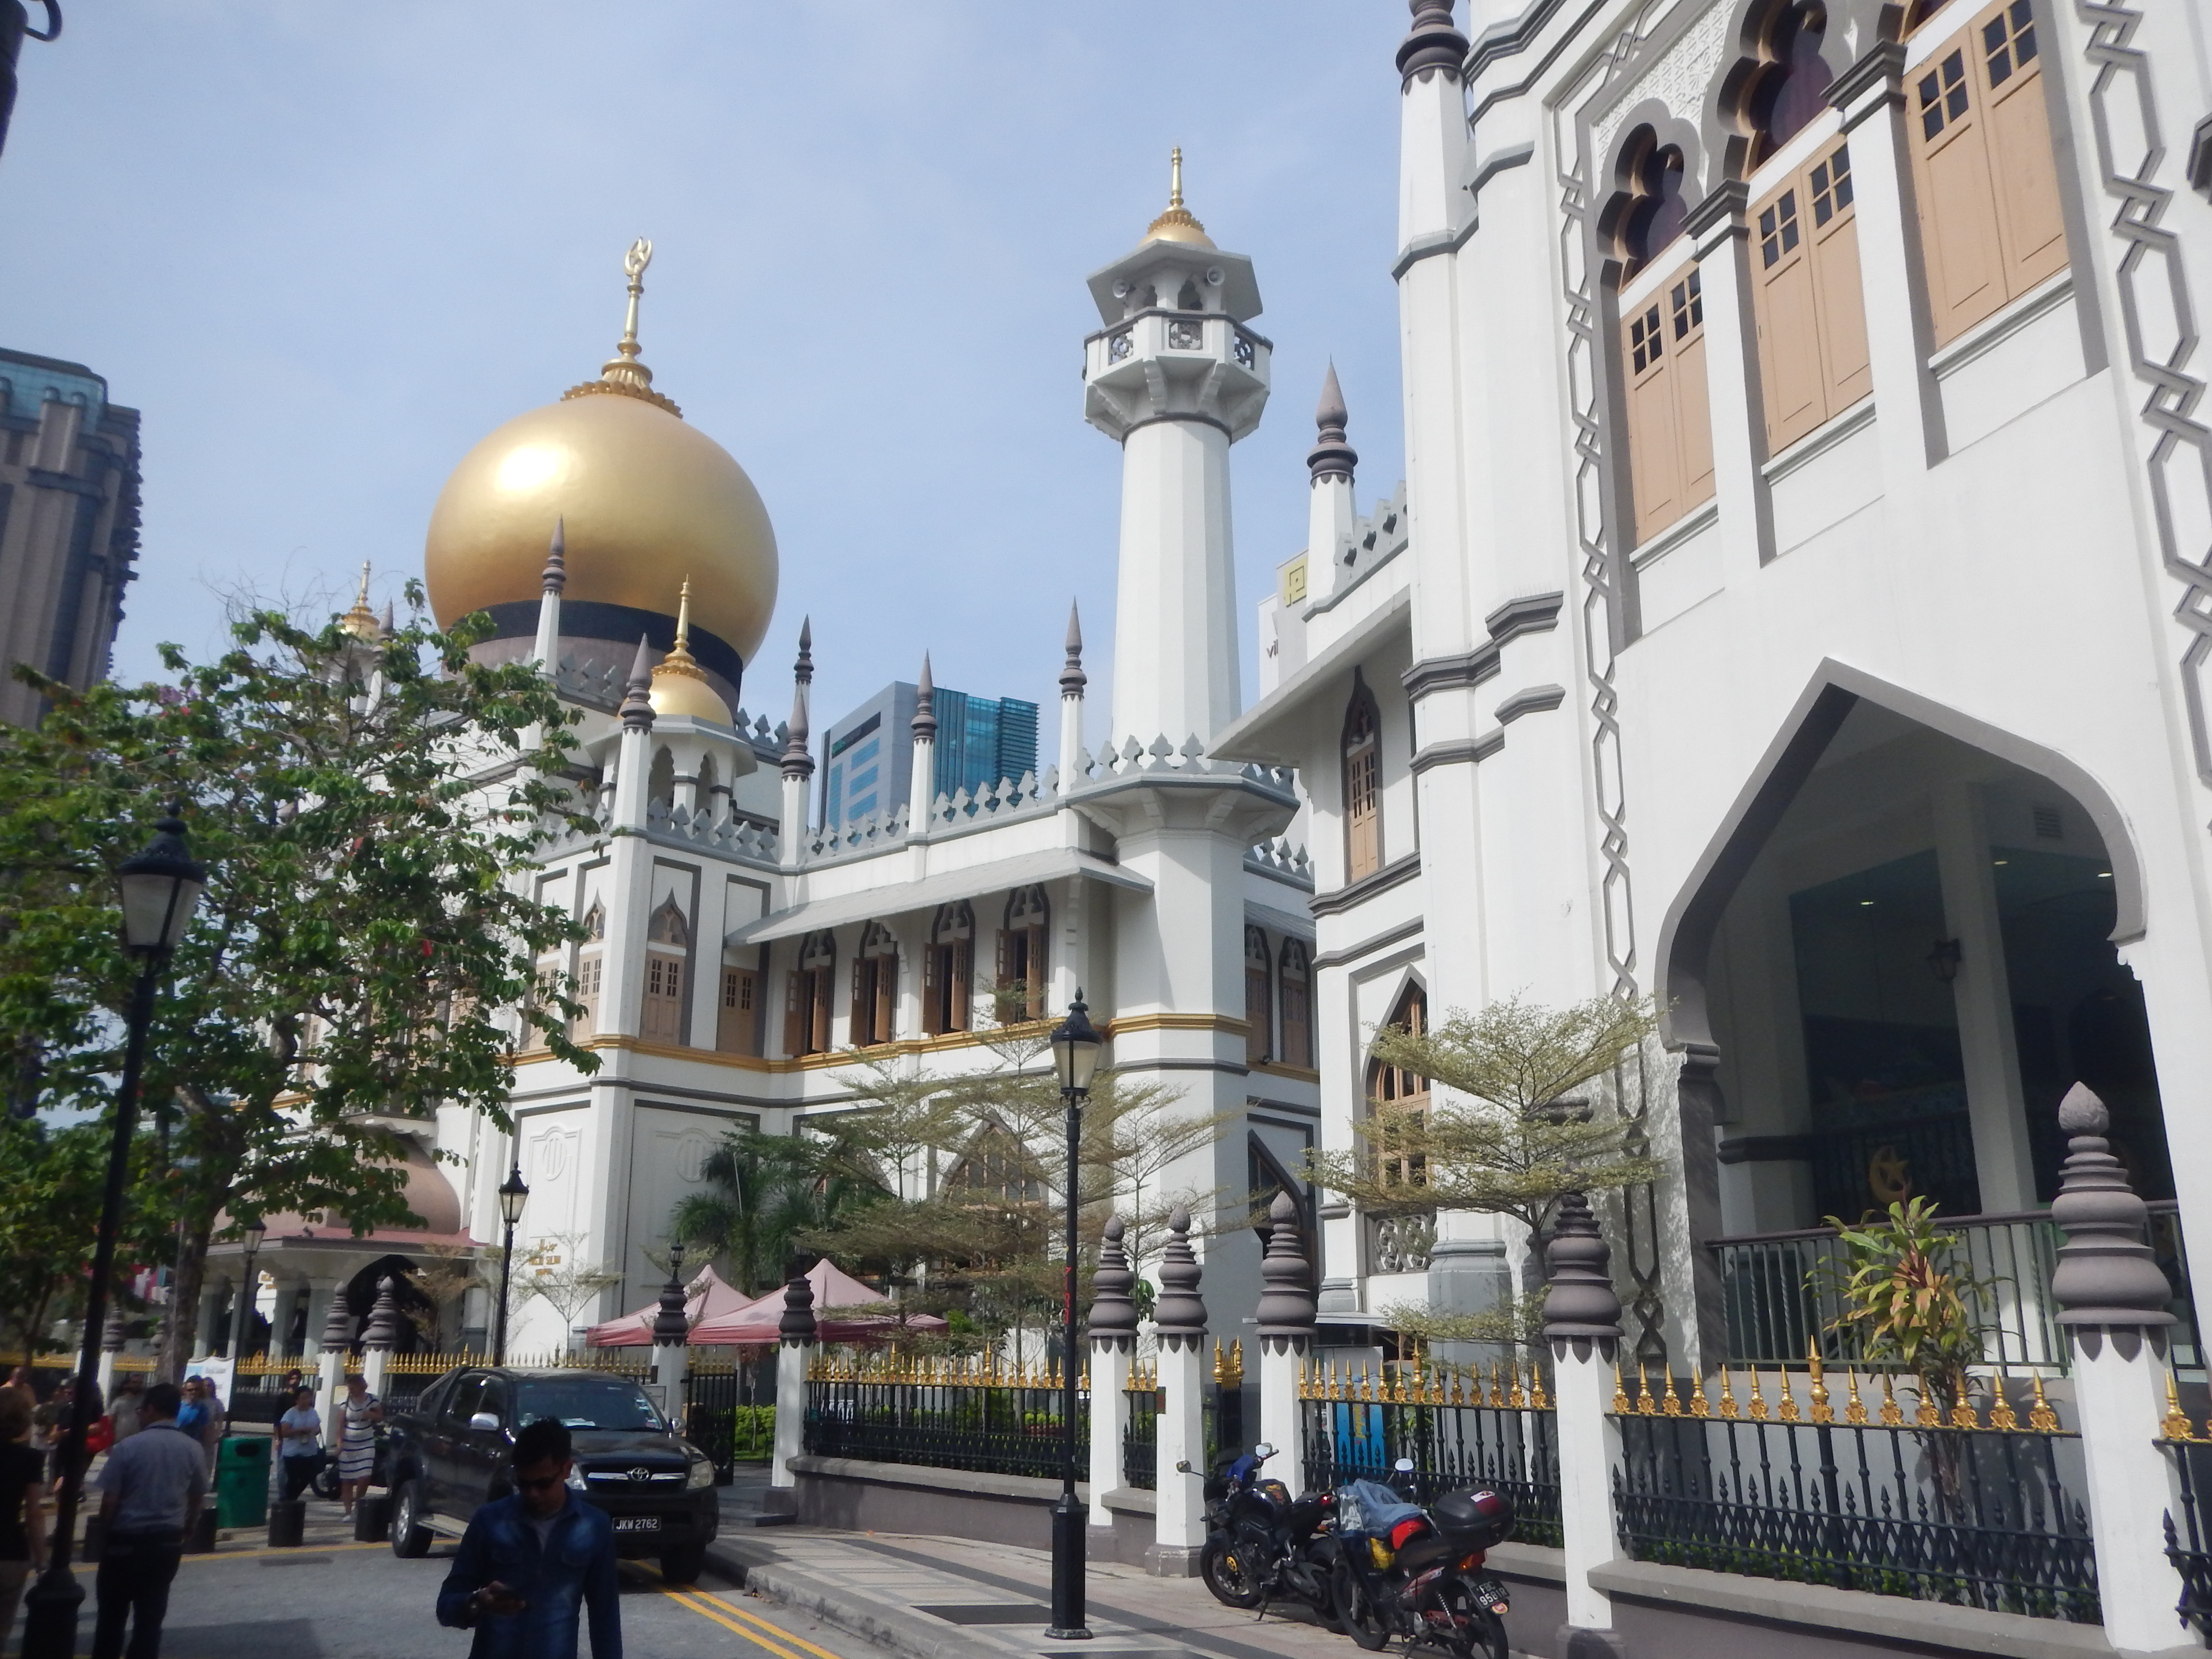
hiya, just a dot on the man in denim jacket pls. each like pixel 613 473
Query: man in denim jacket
pixel 530 1561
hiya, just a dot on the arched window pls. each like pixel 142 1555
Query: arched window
pixel 1786 85
pixel 590 963
pixel 709 779
pixel 1401 1098
pixel 1662 338
pixel 807 995
pixel 1656 204
pixel 1021 989
pixel 875 988
pixel 660 781
pixel 1296 975
pixel 1362 782
pixel 995 1169
pixel 667 938
pixel 1258 1002
pixel 949 971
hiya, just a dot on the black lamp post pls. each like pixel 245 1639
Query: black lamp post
pixel 14 27
pixel 513 1195
pixel 160 887
pixel 1075 1046
pixel 249 1293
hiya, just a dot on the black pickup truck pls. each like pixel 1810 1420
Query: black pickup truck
pixel 455 1450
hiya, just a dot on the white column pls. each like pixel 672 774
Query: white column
pixel 1582 1324
pixel 319 1312
pixel 1285 1335
pixel 1179 1529
pixel 1113 1325
pixel 2004 1164
pixel 1072 679
pixel 794 1357
pixel 1175 614
pixel 798 761
pixel 332 1341
pixel 1732 386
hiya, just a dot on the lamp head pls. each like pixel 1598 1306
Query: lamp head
pixel 1075 1046
pixel 513 1195
pixel 160 886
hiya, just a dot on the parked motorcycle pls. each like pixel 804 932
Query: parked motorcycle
pixel 1261 1542
pixel 1404 1572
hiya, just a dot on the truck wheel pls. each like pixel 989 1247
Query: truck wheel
pixel 683 1565
pixel 409 1537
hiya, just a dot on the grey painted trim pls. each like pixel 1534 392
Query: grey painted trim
pixel 1366 947
pixel 1726 206
pixel 1222 1065
pixel 1297 927
pixel 1297 1126
pixel 1533 613
pixel 1818 441
pixel 1359 892
pixel 1471 751
pixel 1221 427
pixel 1532 700
pixel 1767 1149
pixel 1882 66
pixel 1512 155
pixel 1986 336
pixel 716 1112
pixel 1447 673
pixel 1321 607
pixel 1428 246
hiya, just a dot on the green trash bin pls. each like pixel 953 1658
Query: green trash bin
pixel 241 1480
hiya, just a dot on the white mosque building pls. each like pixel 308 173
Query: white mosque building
pixel 1796 610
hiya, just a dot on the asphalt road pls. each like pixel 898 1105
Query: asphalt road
pixel 360 1601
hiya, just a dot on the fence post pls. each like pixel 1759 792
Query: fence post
pixel 671 1343
pixel 1113 1349
pixel 383 1332
pixel 1179 1531
pixel 1582 1324
pixel 111 1345
pixel 331 1362
pixel 2113 1301
pixel 1286 1336
pixel 794 1359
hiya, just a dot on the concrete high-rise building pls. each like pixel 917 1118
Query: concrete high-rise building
pixel 69 523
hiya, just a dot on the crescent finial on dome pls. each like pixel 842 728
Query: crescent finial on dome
pixel 625 373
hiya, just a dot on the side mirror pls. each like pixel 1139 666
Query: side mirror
pixel 483 1420
pixel 1184 1468
pixel 1404 1466
pixel 1263 1451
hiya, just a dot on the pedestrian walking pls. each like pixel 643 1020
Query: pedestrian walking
pixel 23 1505
pixel 150 1491
pixel 129 1397
pixel 193 1414
pixel 532 1561
pixel 299 1432
pixel 358 1415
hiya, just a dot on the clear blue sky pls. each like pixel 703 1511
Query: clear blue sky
pixel 326 248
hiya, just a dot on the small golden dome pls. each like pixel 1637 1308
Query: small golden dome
pixel 678 687
pixel 647 499
pixel 360 622
pixel 1178 223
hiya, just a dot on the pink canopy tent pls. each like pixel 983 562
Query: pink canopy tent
pixel 711 1297
pixel 758 1321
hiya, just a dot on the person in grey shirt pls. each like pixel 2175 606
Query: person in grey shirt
pixel 150 1491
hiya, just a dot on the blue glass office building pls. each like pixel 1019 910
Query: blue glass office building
pixel 868 755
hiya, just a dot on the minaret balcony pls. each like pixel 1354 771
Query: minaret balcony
pixel 1161 363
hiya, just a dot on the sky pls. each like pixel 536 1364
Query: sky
pixel 324 249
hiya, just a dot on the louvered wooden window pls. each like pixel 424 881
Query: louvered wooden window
pixel 664 997
pixel 948 995
pixel 1363 784
pixel 1991 227
pixel 737 1029
pixel 808 991
pixel 1258 1003
pixel 1399 1098
pixel 1806 299
pixel 875 988
pixel 1296 1011
pixel 588 969
pixel 1670 437
pixel 1021 989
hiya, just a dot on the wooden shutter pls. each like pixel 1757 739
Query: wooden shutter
pixel 1255 1013
pixel 733 1027
pixel 963 993
pixel 1694 420
pixel 1297 1022
pixel 1847 373
pixel 821 995
pixel 663 1013
pixel 1002 989
pixel 1654 467
pixel 1806 299
pixel 2024 168
pixel 934 965
pixel 1035 964
pixel 794 1012
pixel 863 1003
pixel 884 1026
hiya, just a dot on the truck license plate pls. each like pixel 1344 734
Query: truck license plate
pixel 637 1523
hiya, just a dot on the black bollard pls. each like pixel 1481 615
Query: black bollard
pixel 371 1519
pixel 203 1529
pixel 288 1523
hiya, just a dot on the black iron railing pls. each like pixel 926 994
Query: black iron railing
pixel 723 1415
pixel 1140 1441
pixel 2189 1546
pixel 1971 1504
pixel 944 1415
pixel 1459 1436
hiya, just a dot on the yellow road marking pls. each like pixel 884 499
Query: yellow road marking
pixel 707 1604
pixel 751 1617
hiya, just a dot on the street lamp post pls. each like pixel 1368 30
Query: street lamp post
pixel 1075 1046
pixel 160 887
pixel 249 1293
pixel 513 1195
pixel 15 29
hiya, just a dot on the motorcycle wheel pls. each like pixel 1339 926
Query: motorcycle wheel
pixel 1224 1571
pixel 1473 1631
pixel 1356 1613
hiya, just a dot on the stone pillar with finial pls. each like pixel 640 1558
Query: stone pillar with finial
pixel 1582 1326
pixel 331 1362
pixel 921 786
pixel 798 759
pixel 1286 1339
pixel 2113 1305
pixel 1330 510
pixel 672 1338
pixel 1072 680
pixel 1113 1330
pixel 1179 1324
pixel 552 582
pixel 382 1334
pixel 796 1334
pixel 110 1350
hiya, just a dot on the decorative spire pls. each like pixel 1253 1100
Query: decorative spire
pixel 1113 1310
pixel 798 1324
pixel 678 665
pixel 338 1325
pixel 797 761
pixel 1179 1315
pixel 1072 679
pixel 556 558
pixel 383 1332
pixel 1287 1305
pixel 360 621
pixel 1178 223
pixel 637 700
pixel 2106 1275
pixel 924 724
pixel 625 373
pixel 1331 457
pixel 1580 1303
pixel 1432 43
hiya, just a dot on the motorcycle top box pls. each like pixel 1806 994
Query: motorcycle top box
pixel 1473 1520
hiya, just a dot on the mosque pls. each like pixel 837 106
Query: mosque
pixel 1795 611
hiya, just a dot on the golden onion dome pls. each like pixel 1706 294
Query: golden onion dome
pixel 1178 223
pixel 647 501
pixel 678 687
pixel 360 622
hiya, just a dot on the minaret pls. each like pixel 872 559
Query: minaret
pixel 1329 513
pixel 798 759
pixel 921 788
pixel 634 770
pixel 1175 376
pixel 1072 679
pixel 556 578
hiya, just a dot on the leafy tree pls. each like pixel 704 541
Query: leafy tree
pixel 1517 1138
pixel 50 1184
pixel 359 804
pixel 763 1192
